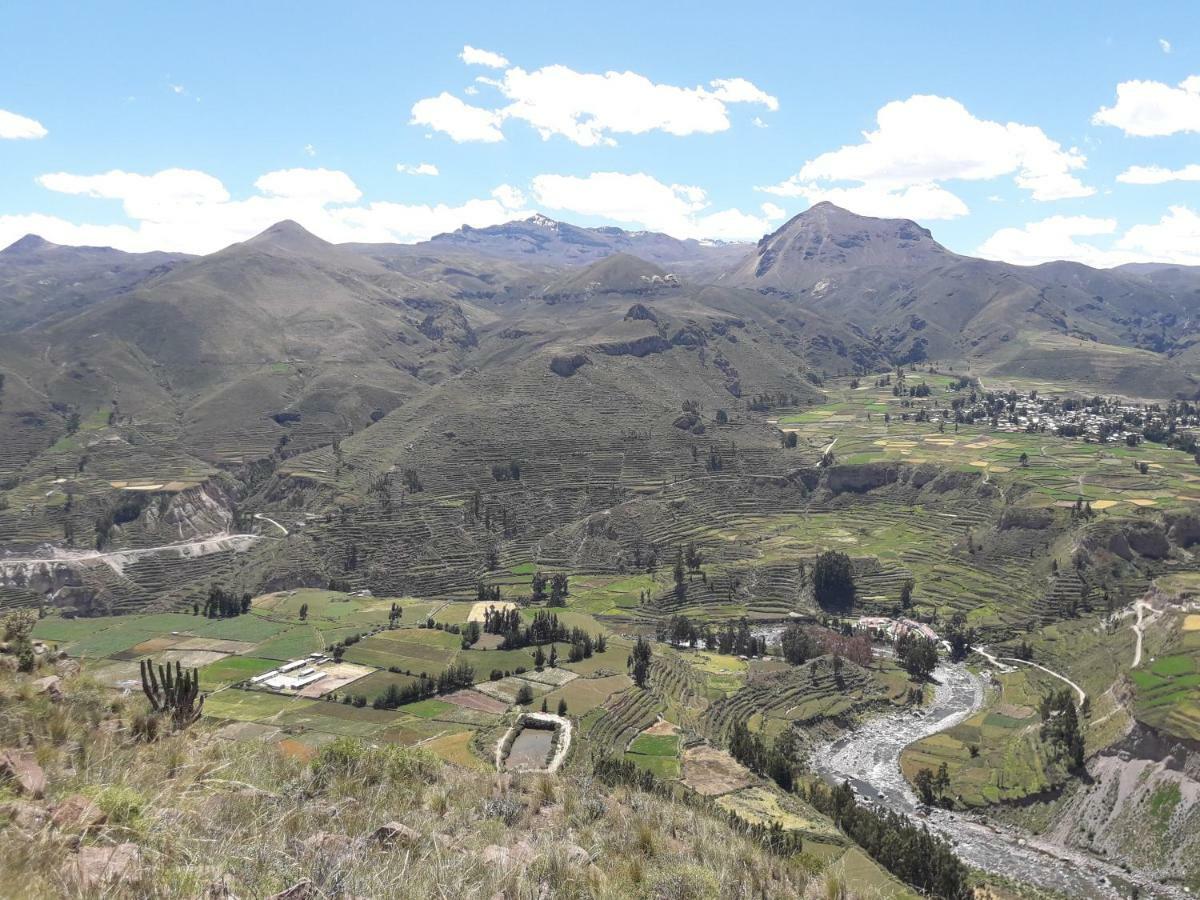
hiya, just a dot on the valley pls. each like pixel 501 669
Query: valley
pixel 537 513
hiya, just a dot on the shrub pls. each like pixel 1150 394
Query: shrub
pixel 350 758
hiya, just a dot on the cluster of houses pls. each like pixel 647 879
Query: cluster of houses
pixel 293 675
pixel 894 629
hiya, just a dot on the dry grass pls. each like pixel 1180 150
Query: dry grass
pixel 204 811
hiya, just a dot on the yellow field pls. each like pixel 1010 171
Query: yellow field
pixel 1192 623
pixel 477 611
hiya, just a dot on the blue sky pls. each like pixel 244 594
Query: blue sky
pixel 1018 132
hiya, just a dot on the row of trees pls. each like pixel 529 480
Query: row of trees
pixel 544 628
pixel 778 761
pixel 458 676
pixel 222 604
pixel 731 639
pixel 800 643
pixel 907 850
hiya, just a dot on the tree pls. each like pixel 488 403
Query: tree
pixel 798 645
pixel 524 695
pixel 539 587
pixel 960 637
pixel 303 612
pixel 562 706
pixel 925 783
pixel 906 592
pixel 918 655
pixel 833 581
pixel 639 662
pixel 559 589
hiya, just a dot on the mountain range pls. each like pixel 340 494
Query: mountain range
pixel 288 337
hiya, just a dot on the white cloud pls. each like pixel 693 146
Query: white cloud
pixel 1154 109
pixel 1175 238
pixel 509 196
pixel 641 200
pixel 739 90
pixel 419 169
pixel 920 142
pixel 588 108
pixel 1164 45
pixel 316 185
pixel 757 122
pixel 310 150
pixel 1159 174
pixel 473 56
pixel 459 120
pixel 922 202
pixel 191 211
pixel 14 127
pixel 178 89
pixel 1051 239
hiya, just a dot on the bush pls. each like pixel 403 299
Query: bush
pixel 350 758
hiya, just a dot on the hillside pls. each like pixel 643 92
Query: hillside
pixel 40 281
pixel 1120 330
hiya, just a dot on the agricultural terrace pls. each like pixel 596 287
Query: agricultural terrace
pixel 868 425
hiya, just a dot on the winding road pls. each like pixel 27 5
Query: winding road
pixel 869 758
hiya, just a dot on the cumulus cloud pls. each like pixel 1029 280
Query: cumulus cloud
pixel 588 108
pixel 1175 238
pixel 640 200
pixel 1164 45
pixel 921 142
pixel 461 121
pixel 923 202
pixel 315 185
pixel 14 127
pixel 473 56
pixel 419 169
pixel 1050 239
pixel 1159 174
pixel 192 211
pixel 1154 109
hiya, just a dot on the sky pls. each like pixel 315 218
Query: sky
pixel 1015 131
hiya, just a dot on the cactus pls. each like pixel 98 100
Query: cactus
pixel 175 692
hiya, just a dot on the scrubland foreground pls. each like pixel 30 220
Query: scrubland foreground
pixel 93 810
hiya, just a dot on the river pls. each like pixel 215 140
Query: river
pixel 869 758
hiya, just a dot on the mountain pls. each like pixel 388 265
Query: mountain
pixel 546 240
pixel 283 326
pixel 40 280
pixel 1111 330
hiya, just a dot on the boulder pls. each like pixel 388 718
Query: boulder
pixel 327 842
pixel 395 833
pixel 21 769
pixel 51 685
pixel 23 814
pixel 519 854
pixel 96 867
pixel 78 813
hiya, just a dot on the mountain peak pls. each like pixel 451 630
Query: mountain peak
pixel 31 243
pixel 287 235
pixel 826 238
